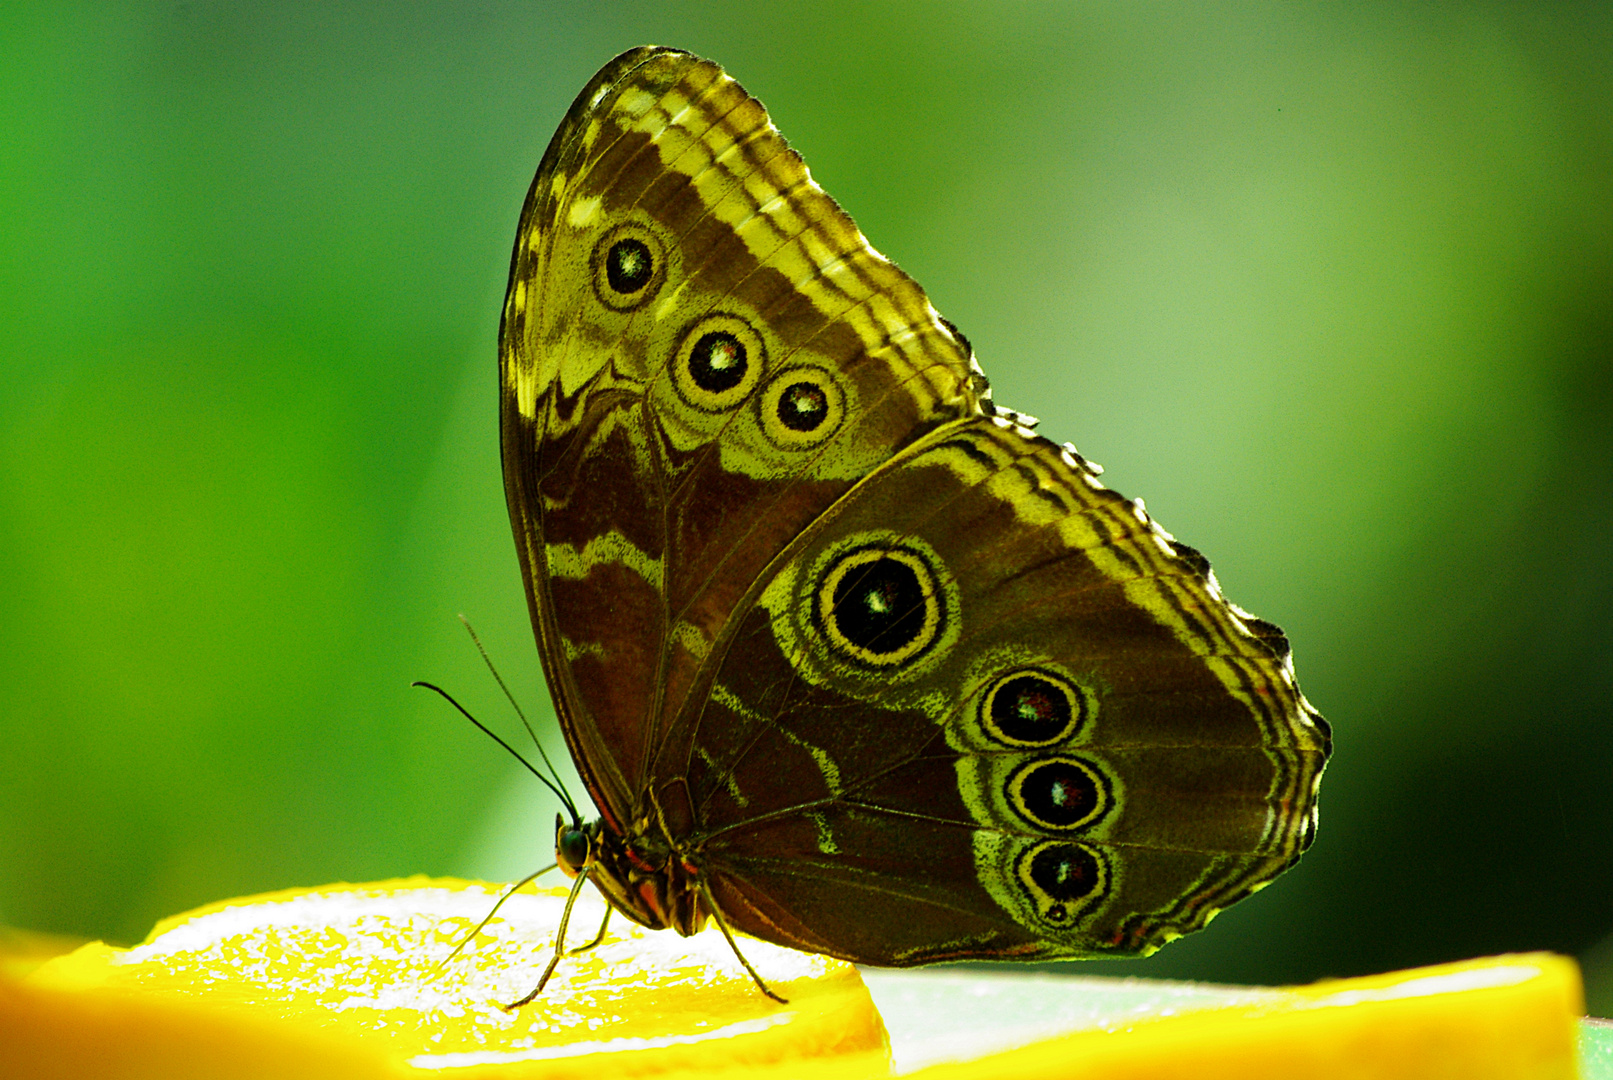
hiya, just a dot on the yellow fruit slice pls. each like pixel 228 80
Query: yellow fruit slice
pixel 21 951
pixel 343 982
pixel 1497 1018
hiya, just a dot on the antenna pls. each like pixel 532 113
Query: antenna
pixel 565 798
pixel 551 785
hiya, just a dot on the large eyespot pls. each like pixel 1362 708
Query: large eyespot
pixel 880 605
pixel 629 266
pixel 1034 708
pixel 1058 793
pixel 1062 879
pixel 801 407
pixel 718 363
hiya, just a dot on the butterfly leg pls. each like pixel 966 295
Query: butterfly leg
pixel 603 923
pixel 470 937
pixel 722 924
pixel 559 945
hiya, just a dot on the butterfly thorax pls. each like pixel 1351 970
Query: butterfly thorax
pixel 642 876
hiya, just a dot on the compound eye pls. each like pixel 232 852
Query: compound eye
pixel 572 850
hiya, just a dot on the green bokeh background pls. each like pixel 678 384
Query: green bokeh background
pixel 1330 285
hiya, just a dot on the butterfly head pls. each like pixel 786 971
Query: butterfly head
pixel 573 845
pixel 659 893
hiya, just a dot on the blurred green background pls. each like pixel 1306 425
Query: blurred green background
pixel 1330 285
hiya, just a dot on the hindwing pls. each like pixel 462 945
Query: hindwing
pixel 989 688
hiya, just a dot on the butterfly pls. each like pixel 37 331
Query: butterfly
pixel 849 658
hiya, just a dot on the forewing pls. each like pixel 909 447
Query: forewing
pixel 699 354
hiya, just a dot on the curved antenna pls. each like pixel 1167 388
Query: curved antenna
pixel 551 785
pixel 565 798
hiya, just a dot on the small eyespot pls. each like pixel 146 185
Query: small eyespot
pixel 880 605
pixel 718 363
pixel 1062 879
pixel 1058 793
pixel 628 267
pixel 1032 707
pixel 801 407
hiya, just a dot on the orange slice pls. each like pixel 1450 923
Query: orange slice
pixel 343 981
pixel 21 951
pixel 1496 1018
